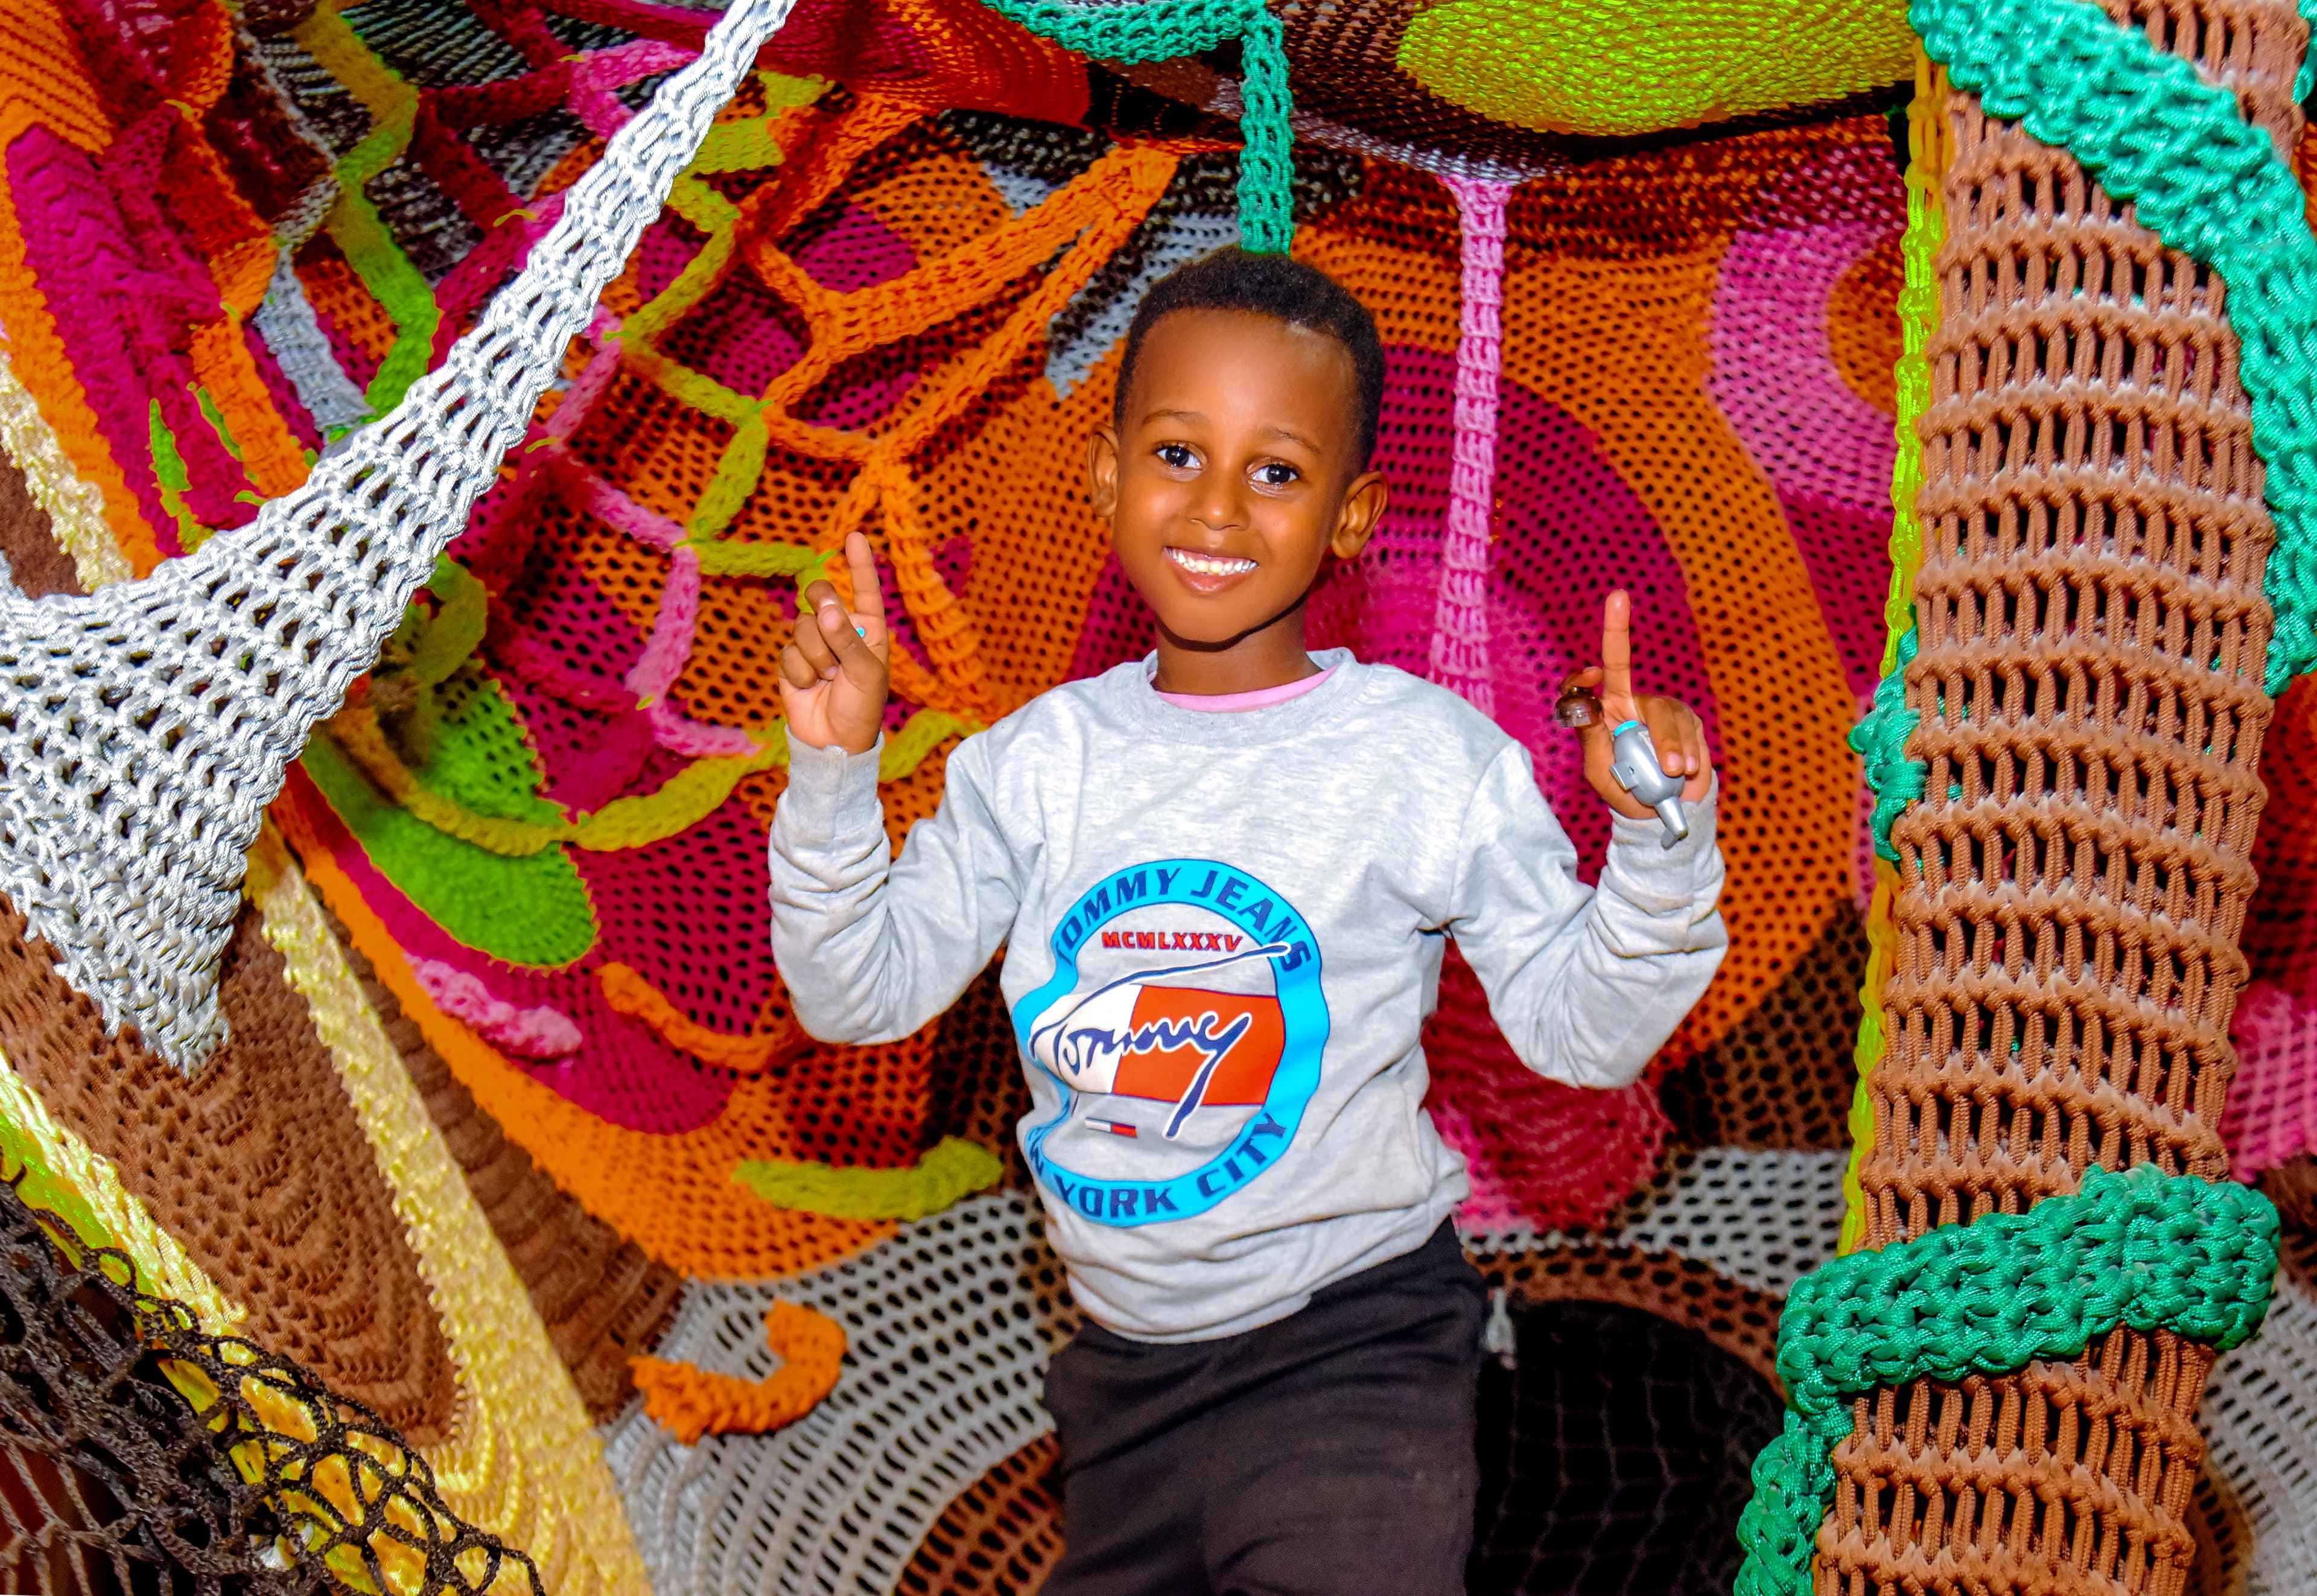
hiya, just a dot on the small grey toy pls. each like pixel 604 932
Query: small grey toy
pixel 1635 766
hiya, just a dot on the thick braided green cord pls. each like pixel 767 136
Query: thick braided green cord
pixel 1163 30
pixel 2149 130
pixel 2306 78
pixel 2141 1250
pixel 1881 740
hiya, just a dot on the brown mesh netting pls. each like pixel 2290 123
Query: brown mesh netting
pixel 301 1230
pixel 2092 637
pixel 113 1478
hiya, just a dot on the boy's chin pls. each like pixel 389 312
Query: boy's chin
pixel 1206 630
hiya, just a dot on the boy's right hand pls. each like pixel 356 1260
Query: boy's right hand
pixel 834 676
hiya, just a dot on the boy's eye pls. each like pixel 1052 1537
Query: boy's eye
pixel 1274 474
pixel 1177 455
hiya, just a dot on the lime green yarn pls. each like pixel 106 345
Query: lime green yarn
pixel 954 1169
pixel 2141 1250
pixel 1607 66
pixel 1881 739
pixel 456 630
pixel 2208 183
pixel 1162 30
pixel 531 909
pixel 175 480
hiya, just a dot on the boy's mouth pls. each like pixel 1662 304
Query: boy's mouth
pixel 1208 573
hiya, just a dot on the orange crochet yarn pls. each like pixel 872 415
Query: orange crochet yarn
pixel 692 1401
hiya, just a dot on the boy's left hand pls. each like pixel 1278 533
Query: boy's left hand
pixel 1674 727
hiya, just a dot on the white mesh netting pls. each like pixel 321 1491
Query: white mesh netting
pixel 1763 1216
pixel 146 726
pixel 949 1326
pixel 2259 1420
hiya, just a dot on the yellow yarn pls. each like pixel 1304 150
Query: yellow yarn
pixel 1919 310
pixel 76 508
pixel 523 1463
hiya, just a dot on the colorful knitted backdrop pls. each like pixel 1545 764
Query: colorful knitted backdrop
pixel 517 903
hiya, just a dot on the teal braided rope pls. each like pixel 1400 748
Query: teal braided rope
pixel 2206 183
pixel 2305 79
pixel 1162 30
pixel 2142 1250
pixel 1881 740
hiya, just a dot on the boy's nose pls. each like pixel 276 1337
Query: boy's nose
pixel 1219 507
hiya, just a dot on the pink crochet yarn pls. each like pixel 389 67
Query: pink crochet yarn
pixel 2271 1117
pixel 1460 619
pixel 539 1033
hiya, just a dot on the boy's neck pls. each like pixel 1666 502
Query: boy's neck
pixel 1268 656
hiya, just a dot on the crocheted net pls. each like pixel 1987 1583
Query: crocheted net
pixel 887 291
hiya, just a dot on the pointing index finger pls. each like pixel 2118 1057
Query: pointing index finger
pixel 1617 646
pixel 868 596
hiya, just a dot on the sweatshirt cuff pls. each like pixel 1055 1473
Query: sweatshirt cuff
pixel 1641 844
pixel 831 791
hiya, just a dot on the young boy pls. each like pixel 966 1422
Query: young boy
pixel 1224 876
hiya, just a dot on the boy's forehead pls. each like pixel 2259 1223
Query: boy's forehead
pixel 1207 361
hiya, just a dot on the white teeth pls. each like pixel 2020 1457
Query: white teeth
pixel 1208 565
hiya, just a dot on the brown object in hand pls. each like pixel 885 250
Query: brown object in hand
pixel 1575 708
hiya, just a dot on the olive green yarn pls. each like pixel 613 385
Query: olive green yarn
pixel 955 1169
pixel 2141 1251
pixel 1163 30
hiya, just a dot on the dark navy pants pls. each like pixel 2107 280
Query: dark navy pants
pixel 1329 1454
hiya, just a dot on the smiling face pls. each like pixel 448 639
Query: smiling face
pixel 1230 478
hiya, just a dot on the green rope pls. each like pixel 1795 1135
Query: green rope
pixel 2207 182
pixel 2141 1249
pixel 2305 79
pixel 1881 739
pixel 1162 30
pixel 953 1170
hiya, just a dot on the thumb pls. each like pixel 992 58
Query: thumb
pixel 858 663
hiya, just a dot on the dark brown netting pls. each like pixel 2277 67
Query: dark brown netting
pixel 1684 1291
pixel 2074 882
pixel 1001 1537
pixel 112 1479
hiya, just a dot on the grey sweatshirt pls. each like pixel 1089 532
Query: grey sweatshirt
pixel 1223 932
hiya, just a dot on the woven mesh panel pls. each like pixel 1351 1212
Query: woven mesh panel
pixel 112 1480
pixel 602 1301
pixel 1617 1459
pixel 159 716
pixel 949 1326
pixel 2259 1419
pixel 2074 880
pixel 1763 1219
pixel 258 1166
pixel 1002 1535
pixel 1712 1244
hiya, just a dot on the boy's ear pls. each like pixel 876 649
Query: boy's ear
pixel 1102 470
pixel 1355 523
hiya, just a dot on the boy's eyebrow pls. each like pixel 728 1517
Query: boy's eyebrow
pixel 1272 429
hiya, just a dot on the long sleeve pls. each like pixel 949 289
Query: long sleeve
pixel 872 949
pixel 1585 985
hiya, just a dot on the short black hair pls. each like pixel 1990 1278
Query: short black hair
pixel 1273 285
